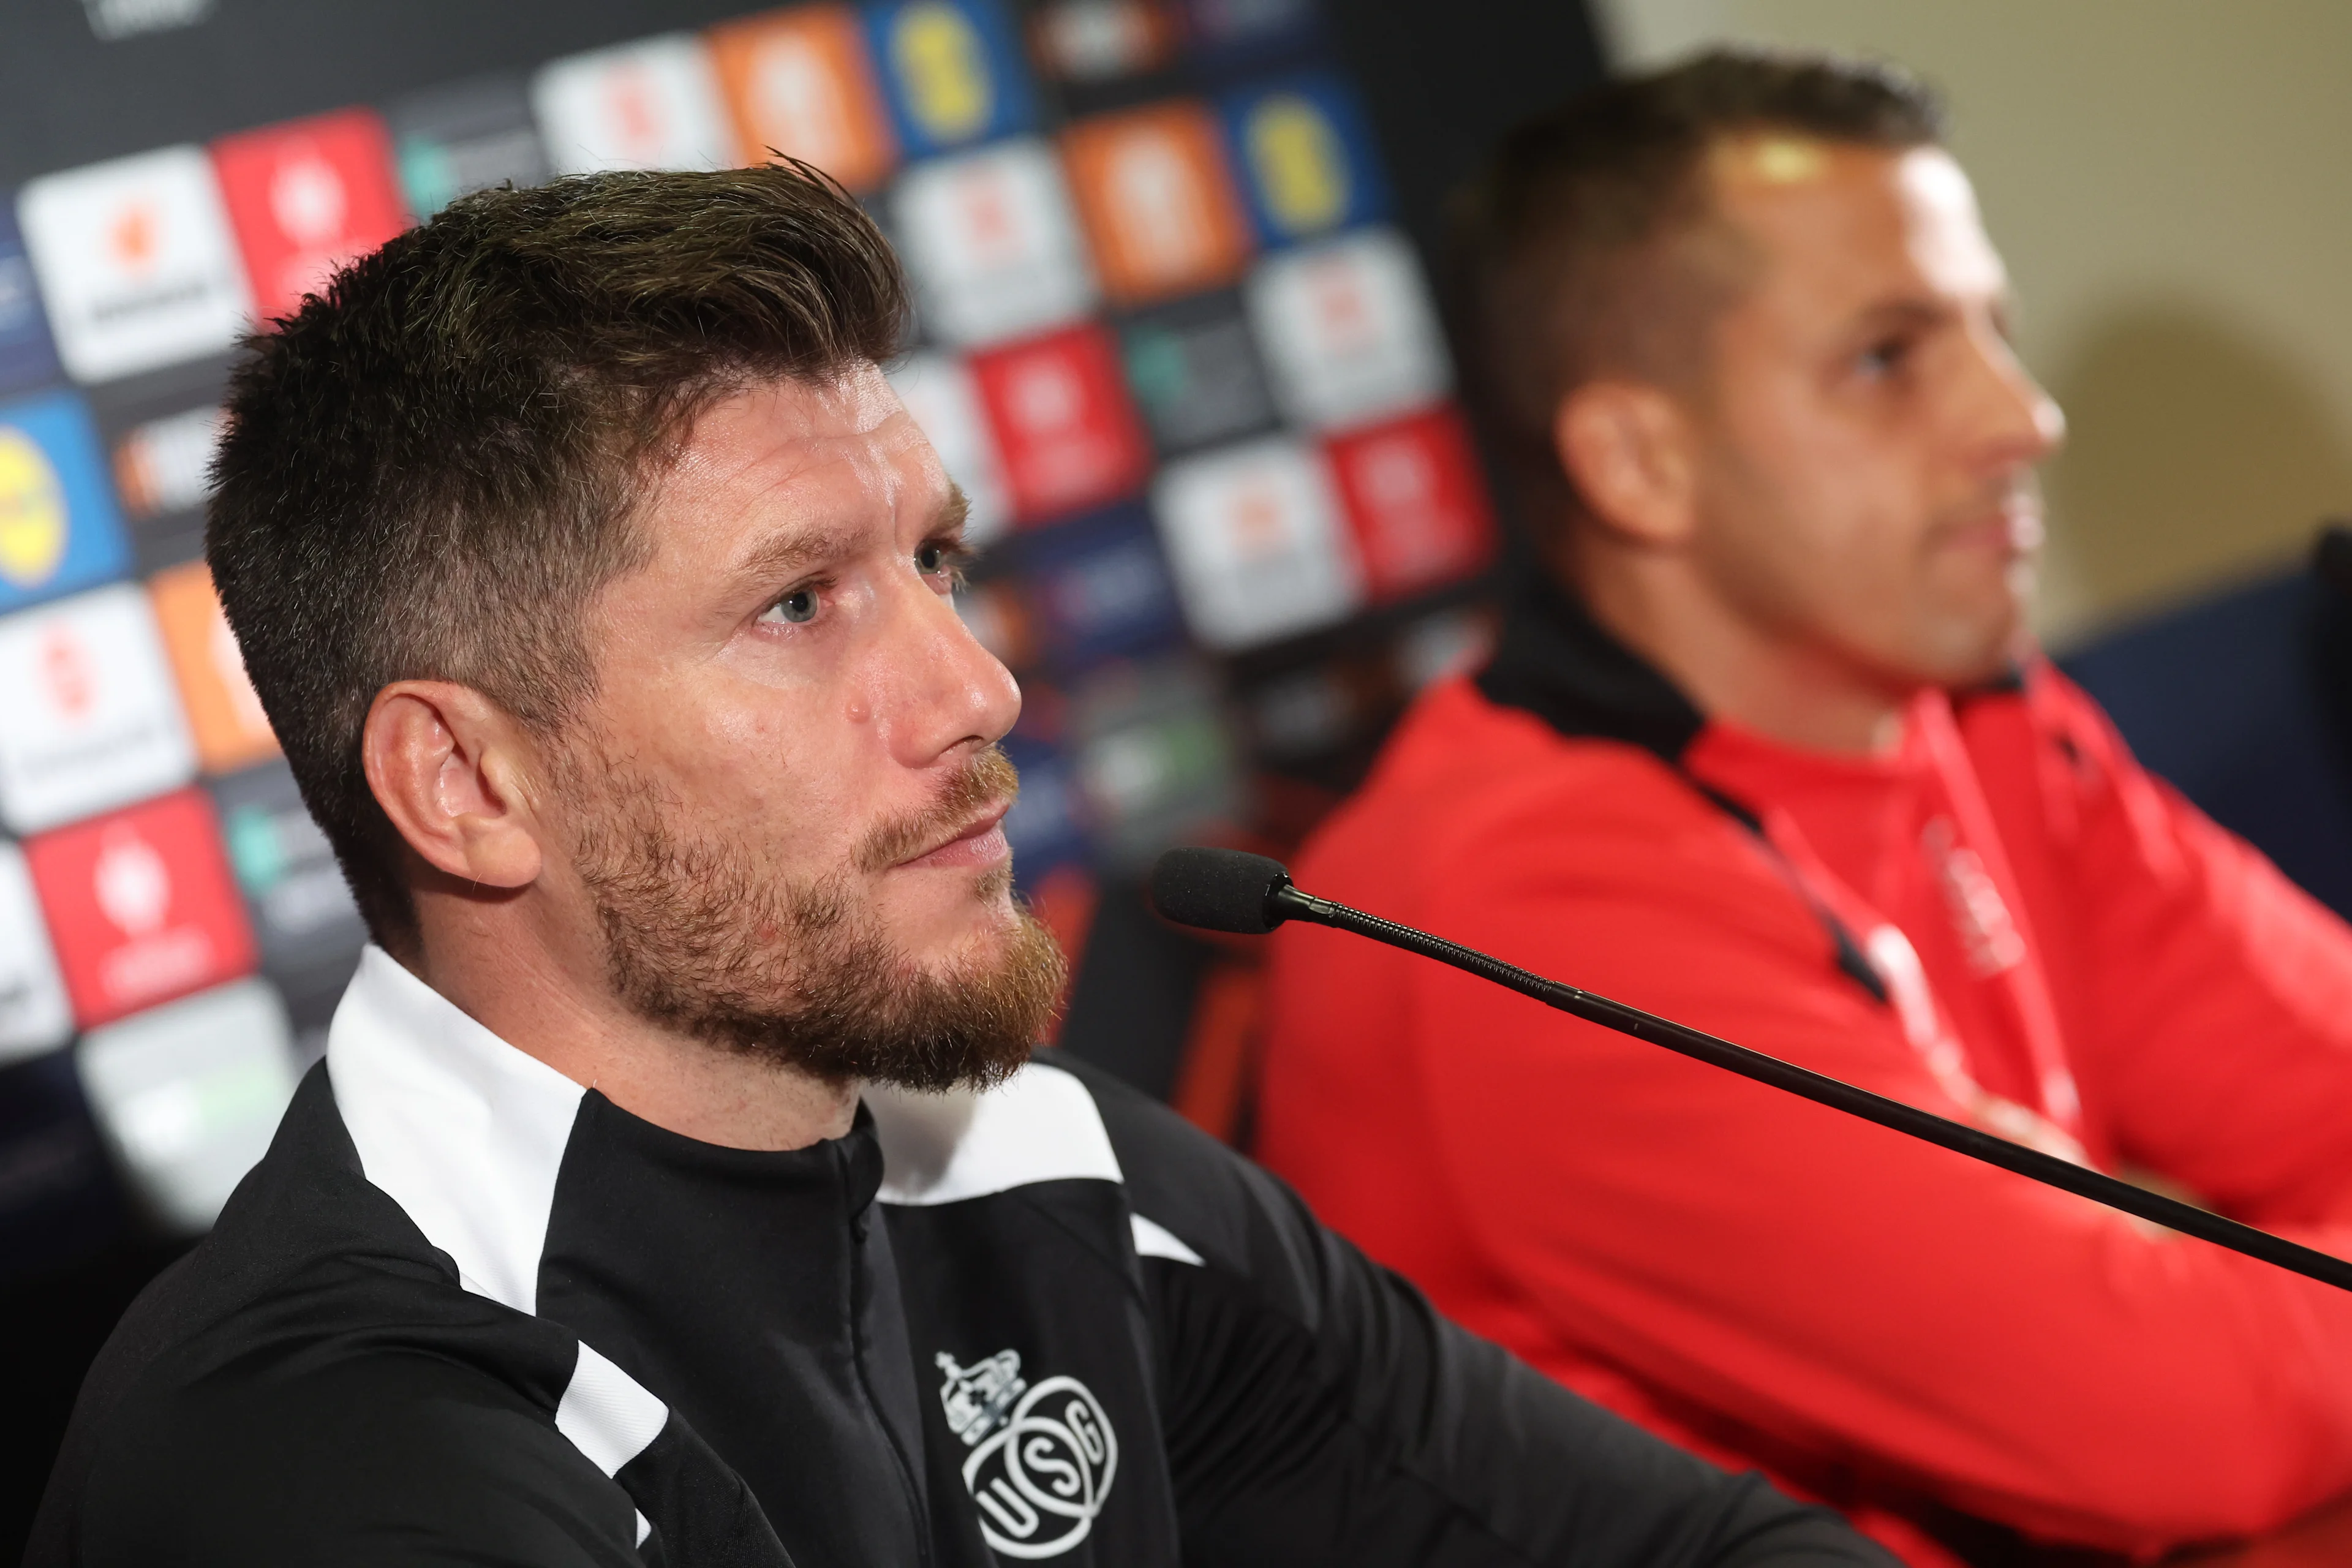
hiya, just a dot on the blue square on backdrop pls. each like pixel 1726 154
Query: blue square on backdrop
pixel 1101 588
pixel 58 528
pixel 1240 33
pixel 27 356
pixel 1306 156
pixel 952 70
pixel 1046 827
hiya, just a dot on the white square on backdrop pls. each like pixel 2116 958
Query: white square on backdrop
pixel 35 1014
pixel 1348 330
pixel 92 719
pixel 189 1094
pixel 137 263
pixel 939 394
pixel 992 245
pixel 653 104
pixel 1258 542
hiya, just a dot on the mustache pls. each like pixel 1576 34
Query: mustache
pixel 986 780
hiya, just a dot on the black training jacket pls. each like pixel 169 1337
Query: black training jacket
pixel 466 1311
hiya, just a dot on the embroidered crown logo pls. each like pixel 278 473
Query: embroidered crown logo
pixel 977 1396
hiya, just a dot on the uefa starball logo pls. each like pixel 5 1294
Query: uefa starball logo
pixel 1042 1458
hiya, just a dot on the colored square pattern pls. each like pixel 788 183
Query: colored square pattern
pixel 799 82
pixel 306 198
pixel 1176 255
pixel 142 906
pixel 59 528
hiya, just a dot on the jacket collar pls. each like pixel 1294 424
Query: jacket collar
pixel 1555 661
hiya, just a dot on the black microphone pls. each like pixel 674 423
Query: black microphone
pixel 1224 889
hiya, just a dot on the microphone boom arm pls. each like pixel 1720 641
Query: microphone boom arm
pixel 1284 902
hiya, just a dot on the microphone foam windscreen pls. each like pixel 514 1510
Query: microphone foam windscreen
pixel 1217 889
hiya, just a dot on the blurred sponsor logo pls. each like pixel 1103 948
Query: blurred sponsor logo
pixel 136 262
pixel 142 907
pixel 799 82
pixel 1306 157
pixel 654 104
pixel 1415 501
pixel 953 72
pixel 1101 588
pixel 1153 188
pixel 307 198
pixel 992 244
pixel 188 1096
pixel 92 720
pixel 164 465
pixel 1193 367
pixel 1348 330
pixel 35 1014
pixel 1256 537
pixel 27 356
pixel 454 139
pixel 1067 434
pixel 231 730
pixel 58 530
pixel 1100 40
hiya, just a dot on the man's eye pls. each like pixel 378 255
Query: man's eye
pixel 1885 358
pixel 796 609
pixel 934 557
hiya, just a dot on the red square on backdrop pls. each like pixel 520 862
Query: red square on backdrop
pixel 306 197
pixel 141 905
pixel 1066 431
pixel 1415 501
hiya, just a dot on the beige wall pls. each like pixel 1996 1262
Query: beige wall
pixel 2171 182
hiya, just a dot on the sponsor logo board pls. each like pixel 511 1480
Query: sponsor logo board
pixel 1093 41
pixel 92 719
pixel 137 264
pixel 27 358
pixel 142 906
pixel 35 1014
pixel 307 198
pixel 654 104
pixel 1153 189
pixel 1154 760
pixel 951 70
pixel 189 1095
pixel 1101 588
pixel 1255 536
pixel 455 140
pixel 798 82
pixel 1306 157
pixel 1194 369
pixel 940 396
pixel 59 529
pixel 1066 433
pixel 992 244
pixel 1348 331
pixel 309 929
pixel 231 731
pixel 1415 501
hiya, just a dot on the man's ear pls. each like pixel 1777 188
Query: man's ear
pixel 1627 447
pixel 448 766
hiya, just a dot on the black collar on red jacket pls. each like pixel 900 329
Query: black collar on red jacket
pixel 1555 661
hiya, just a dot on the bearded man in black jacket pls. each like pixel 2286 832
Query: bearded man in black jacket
pixel 677 1187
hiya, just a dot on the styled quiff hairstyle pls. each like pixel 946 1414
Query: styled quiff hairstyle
pixel 1589 246
pixel 429 469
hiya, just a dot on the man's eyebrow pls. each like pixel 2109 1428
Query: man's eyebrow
pixel 1893 313
pixel 783 555
pixel 954 512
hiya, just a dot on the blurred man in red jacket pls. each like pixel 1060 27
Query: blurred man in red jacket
pixel 1765 751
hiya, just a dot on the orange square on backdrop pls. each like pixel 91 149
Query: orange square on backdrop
pixel 800 81
pixel 225 717
pixel 1158 200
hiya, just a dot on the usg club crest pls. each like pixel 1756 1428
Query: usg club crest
pixel 1042 1458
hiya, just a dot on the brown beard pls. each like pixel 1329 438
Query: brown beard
pixel 700 940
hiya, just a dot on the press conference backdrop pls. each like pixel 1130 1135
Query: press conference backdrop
pixel 1176 340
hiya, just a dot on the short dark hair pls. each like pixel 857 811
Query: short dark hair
pixel 1561 246
pixel 430 469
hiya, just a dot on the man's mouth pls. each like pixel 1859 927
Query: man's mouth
pixel 978 843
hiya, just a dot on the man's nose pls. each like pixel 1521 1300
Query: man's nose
pixel 951 690
pixel 2017 423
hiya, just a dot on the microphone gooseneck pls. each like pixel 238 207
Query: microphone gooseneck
pixel 1224 889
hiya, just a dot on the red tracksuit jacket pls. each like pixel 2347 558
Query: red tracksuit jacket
pixel 2008 922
